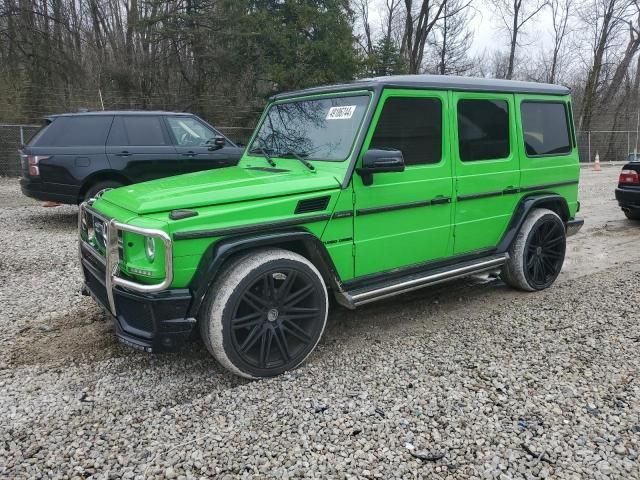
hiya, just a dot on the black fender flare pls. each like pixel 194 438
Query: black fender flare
pixel 299 240
pixel 552 201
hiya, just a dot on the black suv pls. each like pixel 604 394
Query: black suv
pixel 78 154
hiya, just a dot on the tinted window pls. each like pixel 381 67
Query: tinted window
pixel 132 130
pixel 322 129
pixel 412 125
pixel 190 132
pixel 545 128
pixel 82 130
pixel 483 129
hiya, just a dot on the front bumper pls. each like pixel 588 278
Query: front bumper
pixel 147 317
pixel 628 199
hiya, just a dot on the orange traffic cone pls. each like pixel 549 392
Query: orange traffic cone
pixel 596 164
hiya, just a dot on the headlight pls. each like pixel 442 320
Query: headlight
pixel 150 248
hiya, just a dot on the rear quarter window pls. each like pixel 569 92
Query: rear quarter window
pixel 81 130
pixel 545 128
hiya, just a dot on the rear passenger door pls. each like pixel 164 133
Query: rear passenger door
pixel 195 146
pixel 404 218
pixel 486 167
pixel 140 147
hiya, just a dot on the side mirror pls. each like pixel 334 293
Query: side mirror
pixel 218 143
pixel 380 161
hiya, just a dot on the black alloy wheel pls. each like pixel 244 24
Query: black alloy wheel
pixel 277 319
pixel 545 250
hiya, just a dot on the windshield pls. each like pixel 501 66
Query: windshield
pixel 319 129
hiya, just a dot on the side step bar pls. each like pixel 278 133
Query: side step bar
pixel 362 296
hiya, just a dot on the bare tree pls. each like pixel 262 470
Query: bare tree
pixel 514 15
pixel 420 19
pixel 452 39
pixel 603 20
pixel 561 12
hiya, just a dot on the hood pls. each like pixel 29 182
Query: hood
pixel 215 187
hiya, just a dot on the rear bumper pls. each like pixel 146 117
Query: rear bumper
pixel 628 198
pixel 574 226
pixel 150 322
pixel 48 192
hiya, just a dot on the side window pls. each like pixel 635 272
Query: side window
pixel 137 131
pixel 81 130
pixel 190 132
pixel 412 125
pixel 545 128
pixel 483 130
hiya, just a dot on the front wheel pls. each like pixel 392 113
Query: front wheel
pixel 537 254
pixel 265 314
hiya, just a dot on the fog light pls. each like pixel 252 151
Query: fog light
pixel 150 248
pixel 139 271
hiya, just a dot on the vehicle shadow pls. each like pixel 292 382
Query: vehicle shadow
pixel 57 219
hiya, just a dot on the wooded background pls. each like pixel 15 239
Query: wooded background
pixel 221 59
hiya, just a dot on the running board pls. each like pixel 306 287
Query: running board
pixel 361 296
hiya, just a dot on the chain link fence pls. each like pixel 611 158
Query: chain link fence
pixel 12 137
pixel 608 145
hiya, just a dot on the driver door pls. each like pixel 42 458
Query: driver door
pixel 194 145
pixel 404 218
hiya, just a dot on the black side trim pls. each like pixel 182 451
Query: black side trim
pixel 548 185
pixel 255 228
pixel 180 214
pixel 511 191
pixel 476 196
pixel 403 206
pixel 343 214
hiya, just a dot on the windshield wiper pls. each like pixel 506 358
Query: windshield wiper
pixel 298 156
pixel 264 154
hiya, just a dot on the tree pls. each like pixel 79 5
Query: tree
pixel 514 15
pixel 452 39
pixel 420 19
pixel 561 12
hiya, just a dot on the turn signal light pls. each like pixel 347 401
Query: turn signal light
pixel 629 177
pixel 34 161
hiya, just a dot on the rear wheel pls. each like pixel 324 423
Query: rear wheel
pixel 96 188
pixel 632 214
pixel 265 314
pixel 537 254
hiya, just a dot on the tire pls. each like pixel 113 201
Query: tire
pixel 97 187
pixel 537 253
pixel 265 314
pixel 632 215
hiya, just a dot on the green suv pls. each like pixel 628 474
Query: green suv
pixel 362 191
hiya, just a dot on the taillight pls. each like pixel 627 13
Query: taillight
pixel 629 177
pixel 34 161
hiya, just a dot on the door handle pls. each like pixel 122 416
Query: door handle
pixel 123 153
pixel 510 189
pixel 189 154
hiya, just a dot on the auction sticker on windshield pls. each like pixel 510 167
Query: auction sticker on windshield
pixel 341 113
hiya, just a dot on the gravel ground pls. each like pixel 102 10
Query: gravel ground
pixel 469 380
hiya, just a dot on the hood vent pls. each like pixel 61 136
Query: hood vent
pixel 312 205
